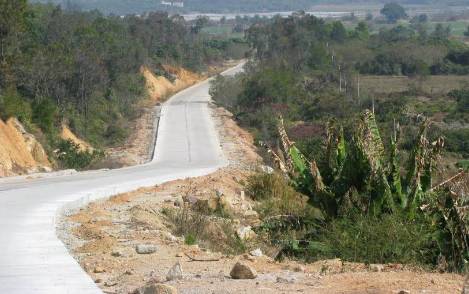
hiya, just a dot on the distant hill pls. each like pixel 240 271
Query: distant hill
pixel 121 7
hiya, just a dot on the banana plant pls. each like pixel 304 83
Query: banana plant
pixel 359 174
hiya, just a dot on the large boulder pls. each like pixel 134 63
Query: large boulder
pixel 243 271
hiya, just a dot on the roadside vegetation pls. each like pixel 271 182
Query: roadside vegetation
pixel 83 68
pixel 360 139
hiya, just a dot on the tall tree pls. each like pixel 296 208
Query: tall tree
pixel 393 12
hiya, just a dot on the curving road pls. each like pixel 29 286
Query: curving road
pixel 34 260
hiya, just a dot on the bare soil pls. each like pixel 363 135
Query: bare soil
pixel 103 237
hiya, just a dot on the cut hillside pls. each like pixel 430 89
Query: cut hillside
pixel 68 135
pixel 20 152
pixel 160 87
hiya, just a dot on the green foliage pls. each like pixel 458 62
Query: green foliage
pixel 393 12
pixel 45 115
pixel 365 238
pixel 12 104
pixel 450 223
pixel 83 68
pixel 71 156
pixel 338 32
pixel 367 192
pixel 190 239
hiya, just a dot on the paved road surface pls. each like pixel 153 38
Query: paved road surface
pixel 33 259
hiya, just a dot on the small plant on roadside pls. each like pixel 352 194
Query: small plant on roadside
pixel 190 239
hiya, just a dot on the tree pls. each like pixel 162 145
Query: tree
pixel 361 31
pixel 338 33
pixel 200 23
pixel 466 33
pixel 12 18
pixel 441 32
pixel 393 12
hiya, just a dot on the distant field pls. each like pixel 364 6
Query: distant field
pixel 432 85
pixel 457 27
pixel 222 30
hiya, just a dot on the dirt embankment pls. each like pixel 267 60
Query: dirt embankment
pixel 68 135
pixel 20 152
pixel 160 87
pixel 104 237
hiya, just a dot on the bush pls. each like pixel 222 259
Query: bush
pixel 45 115
pixel 457 140
pixel 287 215
pixel 13 105
pixel 390 238
pixel 265 186
pixel 70 155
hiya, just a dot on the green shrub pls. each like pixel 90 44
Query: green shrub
pixel 464 164
pixel 190 239
pixel 13 105
pixel 391 238
pixel 45 115
pixel 70 155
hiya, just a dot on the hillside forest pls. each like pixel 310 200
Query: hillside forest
pixel 82 69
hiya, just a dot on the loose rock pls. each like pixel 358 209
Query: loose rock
pixel 299 268
pixel 376 267
pixel 110 283
pixel 245 233
pixel 99 270
pixel 175 273
pixel 286 280
pixel 145 249
pixel 117 253
pixel 256 253
pixel 243 271
pixel 156 289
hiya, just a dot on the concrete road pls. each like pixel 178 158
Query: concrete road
pixel 34 260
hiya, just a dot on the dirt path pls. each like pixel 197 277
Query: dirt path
pixel 103 237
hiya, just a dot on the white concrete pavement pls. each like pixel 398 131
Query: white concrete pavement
pixel 34 260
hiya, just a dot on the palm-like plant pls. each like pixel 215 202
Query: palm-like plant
pixel 362 175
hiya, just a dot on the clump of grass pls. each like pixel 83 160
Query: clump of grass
pixel 390 238
pixel 264 186
pixel 206 228
pixel 190 239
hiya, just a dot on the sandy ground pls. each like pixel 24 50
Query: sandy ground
pixel 103 237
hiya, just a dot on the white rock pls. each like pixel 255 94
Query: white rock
pixel 256 253
pixel 145 249
pixel 175 273
pixel 245 233
pixel 267 169
pixel 376 267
